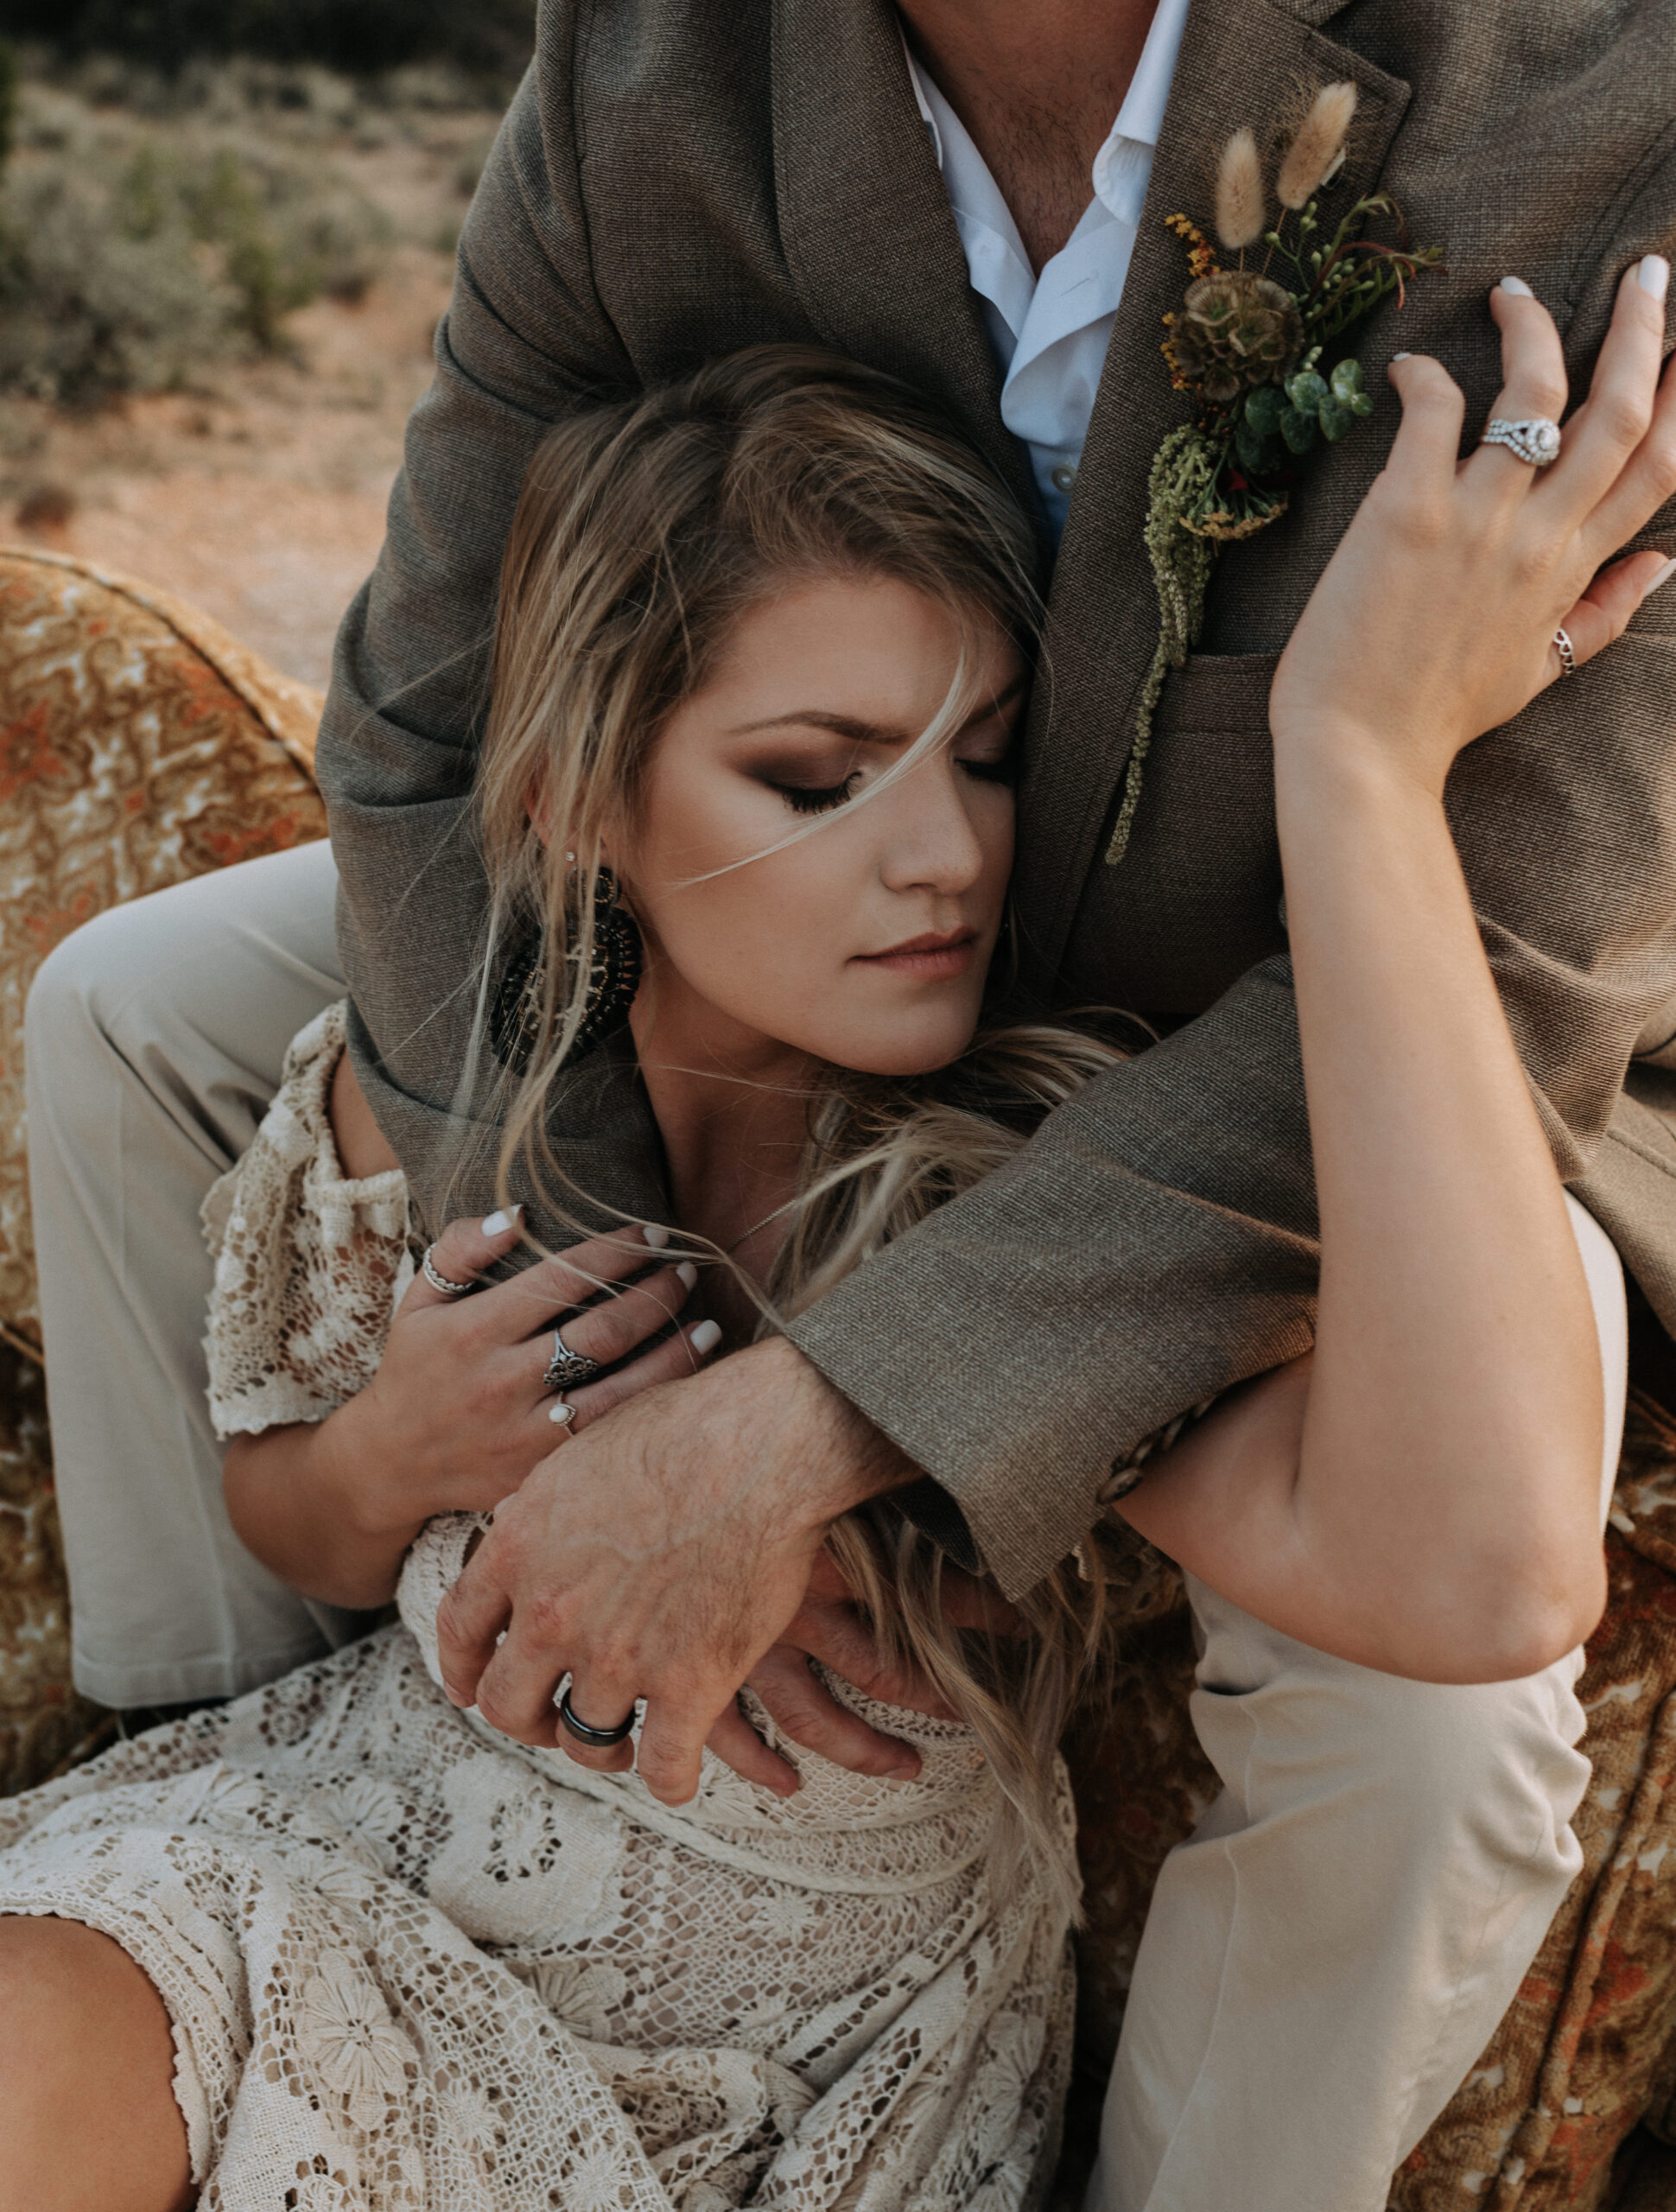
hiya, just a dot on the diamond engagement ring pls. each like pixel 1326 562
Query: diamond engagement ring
pixel 567 1369
pixel 443 1285
pixel 1536 441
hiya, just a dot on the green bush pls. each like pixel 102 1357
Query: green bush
pixel 129 257
pixel 492 36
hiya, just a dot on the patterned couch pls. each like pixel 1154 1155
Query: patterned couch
pixel 141 745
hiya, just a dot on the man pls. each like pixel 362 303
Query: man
pixel 678 179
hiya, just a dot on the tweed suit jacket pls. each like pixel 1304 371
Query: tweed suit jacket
pixel 679 178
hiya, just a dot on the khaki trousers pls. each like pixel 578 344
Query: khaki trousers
pixel 1325 1958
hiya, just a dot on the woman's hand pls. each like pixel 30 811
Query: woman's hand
pixel 457 1414
pixel 1434 621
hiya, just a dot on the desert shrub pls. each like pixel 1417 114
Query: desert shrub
pixel 128 256
pixel 8 96
pixel 494 36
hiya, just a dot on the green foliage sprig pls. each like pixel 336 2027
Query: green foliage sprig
pixel 1262 352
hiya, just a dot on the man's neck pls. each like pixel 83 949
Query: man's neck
pixel 1038 87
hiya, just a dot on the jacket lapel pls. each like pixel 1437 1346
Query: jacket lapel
pixel 865 221
pixel 1242 60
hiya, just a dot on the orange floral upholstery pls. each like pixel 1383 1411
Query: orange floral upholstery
pixel 1588 2050
pixel 140 745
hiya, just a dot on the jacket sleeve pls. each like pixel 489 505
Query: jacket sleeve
pixel 1156 1241
pixel 523 336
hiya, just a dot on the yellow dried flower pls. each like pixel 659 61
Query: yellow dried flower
pixel 1240 213
pixel 1202 255
pixel 1314 152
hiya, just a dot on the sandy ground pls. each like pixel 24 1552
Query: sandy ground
pixel 260 494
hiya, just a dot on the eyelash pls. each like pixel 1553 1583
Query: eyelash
pixel 807 798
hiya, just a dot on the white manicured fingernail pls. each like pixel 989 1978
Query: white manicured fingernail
pixel 501 1219
pixel 656 1238
pixel 561 1414
pixel 1661 578
pixel 1654 275
pixel 1518 286
pixel 705 1337
pixel 1396 358
pixel 686 1275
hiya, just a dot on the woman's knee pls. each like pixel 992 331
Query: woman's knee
pixel 88 2119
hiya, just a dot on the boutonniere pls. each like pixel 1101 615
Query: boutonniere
pixel 1264 348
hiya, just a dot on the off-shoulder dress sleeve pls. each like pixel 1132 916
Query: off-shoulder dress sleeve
pixel 310 1264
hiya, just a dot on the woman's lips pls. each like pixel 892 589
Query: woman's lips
pixel 931 959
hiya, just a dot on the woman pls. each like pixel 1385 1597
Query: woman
pixel 761 649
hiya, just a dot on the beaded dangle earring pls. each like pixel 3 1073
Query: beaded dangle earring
pixel 614 977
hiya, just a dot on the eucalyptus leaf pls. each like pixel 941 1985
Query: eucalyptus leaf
pixel 1306 390
pixel 1264 408
pixel 1347 382
pixel 1298 429
pixel 1336 422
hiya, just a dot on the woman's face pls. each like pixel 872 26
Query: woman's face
pixel 867 943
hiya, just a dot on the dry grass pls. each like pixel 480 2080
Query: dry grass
pixel 255 482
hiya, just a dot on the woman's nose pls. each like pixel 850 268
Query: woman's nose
pixel 931 840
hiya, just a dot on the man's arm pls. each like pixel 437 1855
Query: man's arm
pixel 1156 1241
pixel 524 339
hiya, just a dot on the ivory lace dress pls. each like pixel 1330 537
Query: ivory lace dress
pixel 413 1966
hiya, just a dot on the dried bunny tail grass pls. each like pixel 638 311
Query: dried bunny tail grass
pixel 1314 152
pixel 1240 212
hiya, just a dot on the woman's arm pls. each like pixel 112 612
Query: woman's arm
pixel 1422 1495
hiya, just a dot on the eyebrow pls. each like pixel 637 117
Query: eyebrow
pixel 868 733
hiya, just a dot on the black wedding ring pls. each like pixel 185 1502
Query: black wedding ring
pixel 597 1739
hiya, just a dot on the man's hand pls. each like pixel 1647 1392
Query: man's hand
pixel 662 1555
pixel 828 1626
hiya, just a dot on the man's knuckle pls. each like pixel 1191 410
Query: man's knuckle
pixel 799 1716
pixel 498 1709
pixel 452 1624
pixel 544 1618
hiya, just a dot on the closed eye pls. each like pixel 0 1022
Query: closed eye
pixel 818 799
pixel 1004 771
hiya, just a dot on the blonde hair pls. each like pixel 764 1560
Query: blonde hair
pixel 645 530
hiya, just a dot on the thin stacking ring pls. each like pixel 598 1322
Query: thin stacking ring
pixel 444 1285
pixel 567 1369
pixel 598 1739
pixel 1567 655
pixel 1536 441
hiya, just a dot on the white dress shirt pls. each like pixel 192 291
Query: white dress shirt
pixel 1050 332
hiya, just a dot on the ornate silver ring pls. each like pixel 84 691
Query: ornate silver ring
pixel 445 1286
pixel 1536 441
pixel 567 1369
pixel 1567 657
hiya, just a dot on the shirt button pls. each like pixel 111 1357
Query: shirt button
pixel 1063 477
